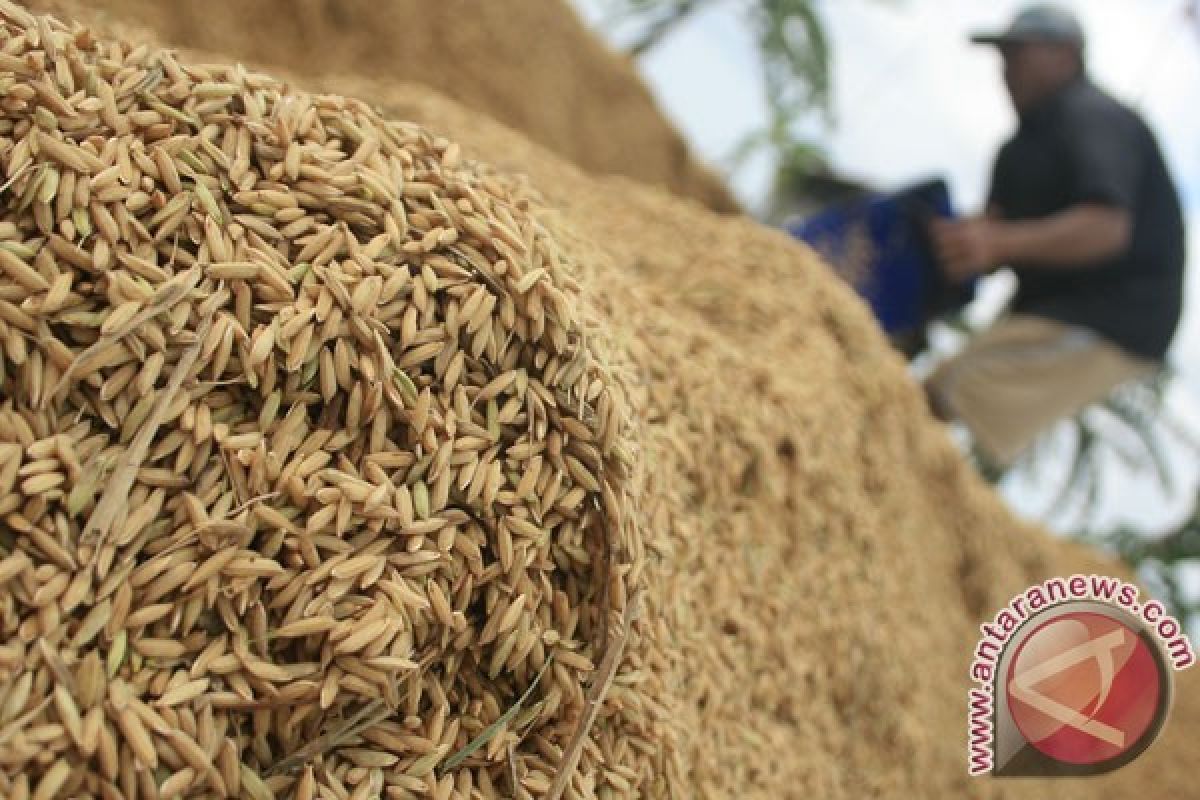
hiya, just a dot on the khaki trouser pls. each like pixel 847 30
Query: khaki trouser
pixel 1024 374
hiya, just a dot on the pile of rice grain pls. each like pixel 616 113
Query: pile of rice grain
pixel 315 478
pixel 571 92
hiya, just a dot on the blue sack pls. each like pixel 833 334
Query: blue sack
pixel 879 244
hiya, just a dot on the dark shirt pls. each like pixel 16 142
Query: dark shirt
pixel 1082 146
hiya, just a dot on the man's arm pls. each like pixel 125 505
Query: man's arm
pixel 1080 236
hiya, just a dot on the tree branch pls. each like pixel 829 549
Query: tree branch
pixel 679 11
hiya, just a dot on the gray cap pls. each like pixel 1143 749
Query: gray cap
pixel 1044 22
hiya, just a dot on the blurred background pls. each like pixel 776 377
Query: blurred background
pixel 798 102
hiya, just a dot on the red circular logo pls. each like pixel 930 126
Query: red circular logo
pixel 1084 688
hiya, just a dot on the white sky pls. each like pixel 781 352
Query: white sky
pixel 913 99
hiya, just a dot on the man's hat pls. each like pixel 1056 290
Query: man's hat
pixel 1044 22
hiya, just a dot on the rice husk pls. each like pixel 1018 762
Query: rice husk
pixel 814 555
pixel 569 92
pixel 315 455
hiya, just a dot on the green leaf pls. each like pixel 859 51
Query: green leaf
pixel 488 733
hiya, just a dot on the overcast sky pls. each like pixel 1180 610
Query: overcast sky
pixel 913 99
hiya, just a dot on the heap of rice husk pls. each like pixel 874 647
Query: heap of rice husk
pixel 531 64
pixel 312 463
pixel 781 601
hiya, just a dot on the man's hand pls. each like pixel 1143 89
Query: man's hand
pixel 966 247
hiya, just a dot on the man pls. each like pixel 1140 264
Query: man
pixel 1082 208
